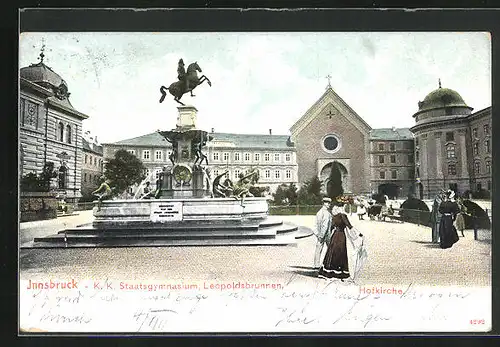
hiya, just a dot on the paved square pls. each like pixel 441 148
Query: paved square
pixel 398 254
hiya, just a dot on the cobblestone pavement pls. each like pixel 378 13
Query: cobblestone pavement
pixel 398 254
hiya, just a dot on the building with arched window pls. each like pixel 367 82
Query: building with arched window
pixel 50 128
pixel 452 145
pixel 448 147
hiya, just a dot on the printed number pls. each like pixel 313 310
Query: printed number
pixel 476 321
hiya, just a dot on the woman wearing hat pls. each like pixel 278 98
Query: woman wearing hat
pixel 447 231
pixel 336 264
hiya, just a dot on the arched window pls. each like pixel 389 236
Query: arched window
pixel 62 177
pixel 68 133
pixel 60 131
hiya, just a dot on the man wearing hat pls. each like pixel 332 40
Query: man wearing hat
pixel 322 230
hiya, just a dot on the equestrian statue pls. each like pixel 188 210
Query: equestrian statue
pixel 188 80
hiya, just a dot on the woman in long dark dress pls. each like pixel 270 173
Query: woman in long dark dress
pixel 336 264
pixel 447 232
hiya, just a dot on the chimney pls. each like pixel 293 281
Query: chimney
pixel 95 139
pixel 213 130
pixel 270 131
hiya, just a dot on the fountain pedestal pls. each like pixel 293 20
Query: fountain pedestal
pixel 184 212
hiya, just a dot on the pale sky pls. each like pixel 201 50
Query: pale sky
pixel 260 81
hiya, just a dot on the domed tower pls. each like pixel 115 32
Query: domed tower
pixel 441 143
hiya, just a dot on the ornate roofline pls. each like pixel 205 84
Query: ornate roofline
pixel 329 96
pixel 56 104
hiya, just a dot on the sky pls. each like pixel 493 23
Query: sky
pixel 260 81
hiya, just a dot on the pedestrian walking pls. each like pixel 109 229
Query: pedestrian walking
pixel 322 230
pixel 336 263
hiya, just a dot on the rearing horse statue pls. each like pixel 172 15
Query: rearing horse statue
pixel 178 89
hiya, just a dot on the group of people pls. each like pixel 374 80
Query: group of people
pixel 333 229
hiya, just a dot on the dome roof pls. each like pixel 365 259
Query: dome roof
pixel 441 97
pixel 43 75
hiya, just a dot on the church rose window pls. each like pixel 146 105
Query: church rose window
pixel 331 143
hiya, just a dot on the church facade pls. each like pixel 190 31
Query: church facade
pixel 449 147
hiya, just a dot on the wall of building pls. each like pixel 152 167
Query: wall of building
pixel 38 135
pixel 309 147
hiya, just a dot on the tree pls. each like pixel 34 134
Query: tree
pixel 124 170
pixel 41 183
pixel 334 186
pixel 279 196
pixel 310 192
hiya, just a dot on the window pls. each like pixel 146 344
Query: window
pixel 247 157
pixel 394 174
pixel 225 156
pixel 380 146
pixel 266 157
pixel 256 157
pixel 131 151
pixel 452 169
pixel 476 167
pixel 410 158
pixel 417 156
pixel 276 157
pixel 331 143
pixel 450 152
pixel 392 146
pixel 236 157
pixel 86 158
pixel 393 159
pixel 474 133
pixel 450 136
pixel 277 174
pixel 488 167
pixel 90 178
pixel 486 129
pixel 381 159
pixel 236 174
pixel 489 185
pixel 146 172
pixel 228 173
pixel 216 172
pixel 157 173
pixel 382 174
pixel 475 148
pixel 479 186
pixel 158 155
pixel 288 174
pixel 62 177
pixel 145 154
pixel 487 146
pixel 68 133
pixel 216 155
pixel 95 161
pixel 60 129
pixel 288 157
pixel 418 172
pixel 85 177
pixel 267 174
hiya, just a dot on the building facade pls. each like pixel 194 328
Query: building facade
pixel 392 162
pixel 92 165
pixel 448 148
pixel 452 145
pixel 50 128
pixel 273 156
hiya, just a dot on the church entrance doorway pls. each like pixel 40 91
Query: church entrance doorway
pixel 334 179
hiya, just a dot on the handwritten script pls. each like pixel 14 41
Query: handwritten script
pixel 296 307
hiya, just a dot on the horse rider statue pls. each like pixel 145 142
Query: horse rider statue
pixel 188 80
